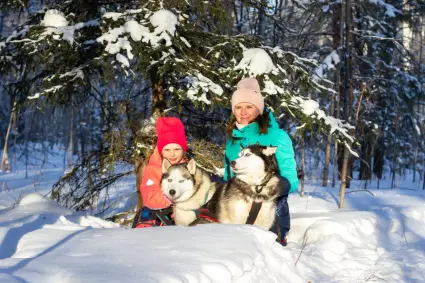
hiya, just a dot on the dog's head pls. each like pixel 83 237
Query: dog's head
pixel 177 180
pixel 255 160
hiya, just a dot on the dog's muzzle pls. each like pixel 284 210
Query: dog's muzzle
pixel 258 189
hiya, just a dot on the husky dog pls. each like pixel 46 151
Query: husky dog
pixel 188 187
pixel 256 180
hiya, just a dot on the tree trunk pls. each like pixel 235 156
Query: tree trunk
pixel 347 77
pixel 15 136
pixel 328 149
pixel 238 20
pixel 365 172
pixel 343 177
pixel 158 108
pixel 262 20
pixel 105 127
pixel 420 79
pixel 140 164
pixel 334 162
pixel 302 163
pixel 5 165
pixel 338 31
pixel 29 123
pixel 393 169
pixel 71 141
pixel 361 130
pixel 277 13
pixel 414 165
pixel 378 158
pixel 423 168
pixel 83 137
pixel 158 93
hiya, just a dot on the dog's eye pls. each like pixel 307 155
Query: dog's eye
pixel 170 180
pixel 247 154
pixel 181 181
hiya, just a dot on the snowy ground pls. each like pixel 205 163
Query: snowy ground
pixel 378 237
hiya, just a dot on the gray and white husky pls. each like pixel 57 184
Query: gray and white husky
pixel 188 187
pixel 256 180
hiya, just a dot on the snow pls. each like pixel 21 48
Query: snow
pixel 270 87
pixel 43 242
pixel 54 18
pixel 76 73
pixel 135 30
pixel 57 25
pixel 52 89
pixel 312 108
pixel 186 42
pixel 200 83
pixel 256 61
pixel 325 8
pixel 378 237
pixel 165 23
pixel 123 60
pixel 328 64
pixel 163 20
pixel 390 9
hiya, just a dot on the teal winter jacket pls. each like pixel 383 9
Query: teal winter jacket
pixel 275 137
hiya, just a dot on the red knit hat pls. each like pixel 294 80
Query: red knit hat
pixel 170 130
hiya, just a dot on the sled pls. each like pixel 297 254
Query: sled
pixel 146 217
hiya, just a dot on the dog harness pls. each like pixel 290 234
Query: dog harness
pixel 253 212
pixel 206 214
pixel 256 206
pixel 252 216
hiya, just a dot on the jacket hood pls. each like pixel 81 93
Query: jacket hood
pixel 156 158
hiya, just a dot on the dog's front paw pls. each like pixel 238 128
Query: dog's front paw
pixel 201 221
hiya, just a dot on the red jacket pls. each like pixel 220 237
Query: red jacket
pixel 150 187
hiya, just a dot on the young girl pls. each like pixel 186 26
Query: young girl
pixel 171 144
pixel 253 123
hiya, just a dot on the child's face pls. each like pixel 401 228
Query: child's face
pixel 173 152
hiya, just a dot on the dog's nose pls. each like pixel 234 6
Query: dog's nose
pixel 232 163
pixel 172 192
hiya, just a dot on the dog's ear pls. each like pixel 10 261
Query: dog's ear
pixel 270 150
pixel 165 165
pixel 191 166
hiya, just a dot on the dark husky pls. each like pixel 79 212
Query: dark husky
pixel 256 185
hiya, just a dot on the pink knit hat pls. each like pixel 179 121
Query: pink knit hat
pixel 248 90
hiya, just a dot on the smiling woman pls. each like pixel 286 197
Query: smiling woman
pixel 253 123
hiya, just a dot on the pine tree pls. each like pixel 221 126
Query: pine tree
pixel 78 50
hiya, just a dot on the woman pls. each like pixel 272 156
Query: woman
pixel 253 123
pixel 171 144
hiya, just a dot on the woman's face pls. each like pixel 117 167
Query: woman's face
pixel 245 113
pixel 173 152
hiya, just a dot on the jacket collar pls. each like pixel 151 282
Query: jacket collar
pixel 253 128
